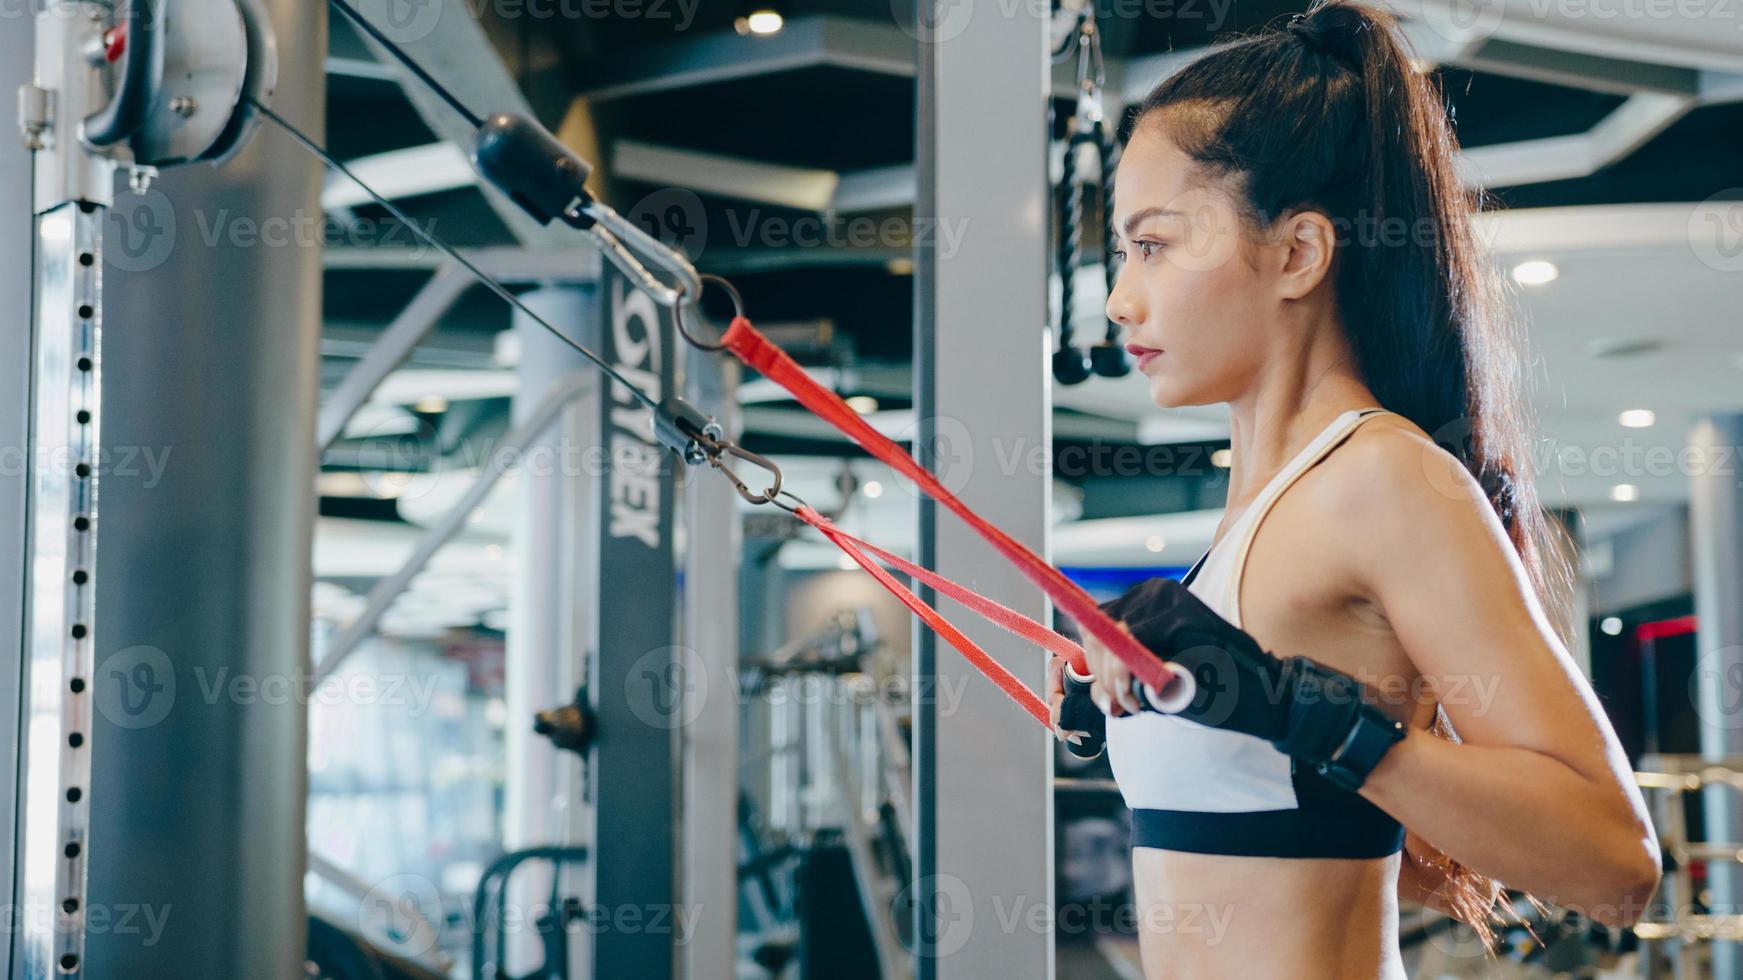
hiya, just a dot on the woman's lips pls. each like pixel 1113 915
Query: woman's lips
pixel 1144 354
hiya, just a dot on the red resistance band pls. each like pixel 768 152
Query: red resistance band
pixel 760 353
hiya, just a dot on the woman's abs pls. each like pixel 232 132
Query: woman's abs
pixel 1211 916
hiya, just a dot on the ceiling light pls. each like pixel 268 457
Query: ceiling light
pixel 863 404
pixel 1222 458
pixel 1611 625
pixel 762 23
pixel 1638 418
pixel 1154 543
pixel 430 405
pixel 493 552
pixel 873 489
pixel 1535 272
pixel 1624 493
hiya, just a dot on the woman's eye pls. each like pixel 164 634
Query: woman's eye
pixel 1149 248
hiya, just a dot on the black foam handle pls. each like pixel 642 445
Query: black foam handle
pixel 1079 714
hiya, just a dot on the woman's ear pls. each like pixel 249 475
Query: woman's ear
pixel 1308 243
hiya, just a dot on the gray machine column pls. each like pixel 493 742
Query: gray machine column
pixel 17 55
pixel 1716 526
pixel 708 739
pixel 555 541
pixel 983 771
pixel 211 353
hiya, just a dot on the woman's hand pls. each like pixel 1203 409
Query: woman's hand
pixel 1112 691
pixel 1055 689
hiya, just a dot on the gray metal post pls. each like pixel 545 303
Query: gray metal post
pixel 708 741
pixel 983 770
pixel 213 340
pixel 1716 526
pixel 636 677
pixel 17 55
pixel 556 549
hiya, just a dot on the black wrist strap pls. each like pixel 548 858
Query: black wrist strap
pixel 1368 741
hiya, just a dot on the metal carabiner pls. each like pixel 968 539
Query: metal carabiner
pixel 626 244
pixel 729 448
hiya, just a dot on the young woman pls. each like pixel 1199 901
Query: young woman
pixel 1297 244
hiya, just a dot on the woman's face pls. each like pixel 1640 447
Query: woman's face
pixel 1188 295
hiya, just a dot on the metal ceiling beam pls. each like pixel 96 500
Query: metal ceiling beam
pixel 390 350
pixel 366 68
pixel 1639 38
pixel 450 43
pixel 397 174
pixel 503 263
pixel 803 188
pixel 1578 69
pixel 1623 131
pixel 805 42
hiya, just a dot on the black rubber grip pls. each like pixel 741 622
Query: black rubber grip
pixel 1079 714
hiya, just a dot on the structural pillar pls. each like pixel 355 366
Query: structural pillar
pixel 212 351
pixel 17 56
pixel 1716 526
pixel 555 549
pixel 983 771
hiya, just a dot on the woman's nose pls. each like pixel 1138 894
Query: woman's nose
pixel 1123 307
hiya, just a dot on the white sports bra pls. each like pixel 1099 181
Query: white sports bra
pixel 1193 788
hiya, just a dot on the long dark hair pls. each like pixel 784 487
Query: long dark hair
pixel 1329 113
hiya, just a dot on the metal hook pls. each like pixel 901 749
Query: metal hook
pixel 737 311
pixel 767 496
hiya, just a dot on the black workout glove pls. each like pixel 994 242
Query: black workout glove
pixel 1309 712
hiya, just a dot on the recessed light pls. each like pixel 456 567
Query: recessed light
pixel 493 552
pixel 1611 625
pixel 430 405
pixel 1536 272
pixel 1638 418
pixel 1154 543
pixel 764 22
pixel 872 489
pixel 1624 493
pixel 1222 458
pixel 863 404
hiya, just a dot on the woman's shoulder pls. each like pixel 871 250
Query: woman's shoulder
pixel 1390 467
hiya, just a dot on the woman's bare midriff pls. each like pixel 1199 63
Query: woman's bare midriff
pixel 1214 916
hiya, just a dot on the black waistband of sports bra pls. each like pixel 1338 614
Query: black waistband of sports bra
pixel 1349 831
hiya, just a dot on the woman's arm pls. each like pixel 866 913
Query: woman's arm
pixel 1539 793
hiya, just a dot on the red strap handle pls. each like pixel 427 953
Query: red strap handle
pixel 996 672
pixel 760 353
